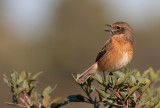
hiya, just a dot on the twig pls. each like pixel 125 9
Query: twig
pixel 123 102
pixel 20 105
pixel 117 93
pixel 117 104
pixel 140 97
pixel 134 101
pixel 23 101
pixel 40 105
pixel 88 94
pixel 127 103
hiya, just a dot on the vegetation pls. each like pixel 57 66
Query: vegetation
pixel 122 89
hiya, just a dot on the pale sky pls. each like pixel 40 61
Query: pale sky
pixel 32 18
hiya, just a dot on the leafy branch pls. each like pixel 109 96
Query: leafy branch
pixel 127 89
pixel 22 87
pixel 122 89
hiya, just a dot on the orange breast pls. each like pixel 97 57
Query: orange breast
pixel 119 54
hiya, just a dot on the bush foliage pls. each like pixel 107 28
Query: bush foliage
pixel 122 89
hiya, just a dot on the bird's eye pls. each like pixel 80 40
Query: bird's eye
pixel 118 27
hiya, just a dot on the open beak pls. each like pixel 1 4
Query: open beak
pixel 108 26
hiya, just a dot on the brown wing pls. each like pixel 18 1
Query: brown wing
pixel 103 50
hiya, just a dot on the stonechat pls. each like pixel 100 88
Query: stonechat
pixel 115 54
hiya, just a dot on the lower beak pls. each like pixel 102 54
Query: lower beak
pixel 108 26
pixel 107 30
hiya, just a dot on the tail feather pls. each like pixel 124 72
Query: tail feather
pixel 88 73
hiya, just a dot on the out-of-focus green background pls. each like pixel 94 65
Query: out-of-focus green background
pixel 63 37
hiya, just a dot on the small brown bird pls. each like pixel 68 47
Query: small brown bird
pixel 116 53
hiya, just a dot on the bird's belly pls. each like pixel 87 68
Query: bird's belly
pixel 115 61
pixel 123 61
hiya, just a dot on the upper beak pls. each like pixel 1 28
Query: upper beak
pixel 108 26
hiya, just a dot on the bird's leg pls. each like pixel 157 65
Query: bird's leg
pixel 104 76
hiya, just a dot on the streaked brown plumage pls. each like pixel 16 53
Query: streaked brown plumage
pixel 116 53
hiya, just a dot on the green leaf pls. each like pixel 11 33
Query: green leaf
pixel 89 81
pixel 120 74
pixel 132 78
pixel 110 101
pixel 46 97
pixel 123 94
pixel 122 80
pixel 140 80
pixel 132 90
pixel 158 90
pixel 92 88
pixel 22 76
pixel 29 90
pixel 105 83
pixel 14 99
pixel 101 93
pixel 30 81
pixel 75 98
pixel 29 101
pixel 158 105
pixel 80 97
pixel 36 75
pixel 112 80
pixel 46 101
pixel 157 76
pixel 137 73
pixel 56 102
pixel 25 84
pixel 20 90
pixel 14 78
pixel 98 78
pixel 145 74
pixel 152 74
pixel 6 81
pixel 12 104
pixel 35 95
pixel 147 81
pixel 47 91
pixel 125 70
pixel 155 101
pixel 147 98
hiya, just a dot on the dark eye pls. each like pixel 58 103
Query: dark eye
pixel 118 27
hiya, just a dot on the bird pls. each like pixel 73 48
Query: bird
pixel 116 53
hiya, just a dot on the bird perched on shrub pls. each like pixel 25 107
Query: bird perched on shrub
pixel 115 54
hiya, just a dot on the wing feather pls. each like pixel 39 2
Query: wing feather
pixel 103 51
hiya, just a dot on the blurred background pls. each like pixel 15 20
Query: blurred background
pixel 63 37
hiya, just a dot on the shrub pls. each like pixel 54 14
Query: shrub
pixel 122 89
